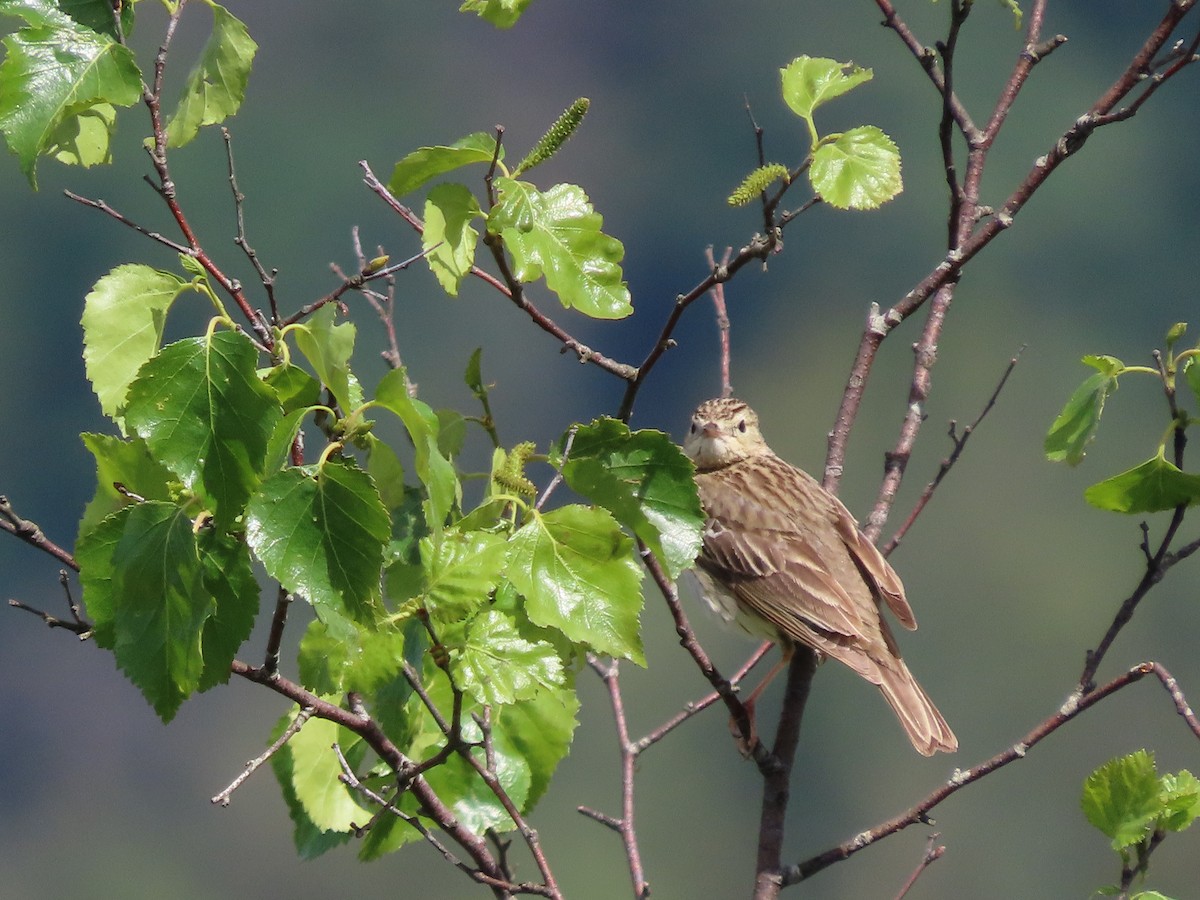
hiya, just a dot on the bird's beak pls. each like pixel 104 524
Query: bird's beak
pixel 710 430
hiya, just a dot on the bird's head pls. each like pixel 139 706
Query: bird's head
pixel 724 431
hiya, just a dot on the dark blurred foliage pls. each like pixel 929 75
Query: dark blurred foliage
pixel 1012 576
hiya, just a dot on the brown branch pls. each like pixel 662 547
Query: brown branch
pixel 610 674
pixel 32 534
pixel 127 222
pixel 508 286
pixel 366 728
pixel 1075 704
pixel 718 298
pixel 777 779
pixel 165 186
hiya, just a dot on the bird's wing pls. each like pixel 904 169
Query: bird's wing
pixel 871 563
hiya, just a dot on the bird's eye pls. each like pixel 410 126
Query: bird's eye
pixel 742 425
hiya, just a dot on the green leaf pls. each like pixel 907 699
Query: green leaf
pixel 123 319
pixel 541 729
pixel 328 348
pixel 129 463
pixel 1149 895
pixel 501 13
pixel 497 666
pixel 434 470
pixel 1121 798
pixel 577 571
pixel 143 584
pixel 385 468
pixel 225 565
pixel 56 70
pixel 205 415
pixel 473 375
pixel 328 803
pixel 310 840
pixel 449 240
pixel 1191 372
pixel 427 163
pixel 859 170
pixel 644 480
pixel 557 233
pixel 461 569
pixel 217 86
pixel 810 82
pixel 320 532
pixel 1076 425
pixel 1154 486
pixel 294 387
pixel 1181 800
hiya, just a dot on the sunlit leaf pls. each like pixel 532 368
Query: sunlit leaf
pixel 557 233
pixel 1154 486
pixel 498 666
pixel 1076 425
pixel 810 82
pixel 644 480
pixel 449 240
pixel 123 318
pixel 858 170
pixel 427 163
pixel 216 87
pixel 577 571
pixel 203 412
pixel 320 532
pixel 1122 797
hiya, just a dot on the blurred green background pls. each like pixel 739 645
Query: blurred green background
pixel 1012 576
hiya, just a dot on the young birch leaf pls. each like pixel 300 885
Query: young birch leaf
pixel 216 87
pixel 1121 798
pixel 1181 800
pixel 859 170
pixel 645 481
pixel 320 532
pixel 434 470
pixel 1076 425
pixel 501 13
pixel 203 412
pixel 497 666
pixel 54 71
pixel 1154 486
pixel 808 83
pixel 557 233
pixel 124 462
pixel 143 583
pixel 427 163
pixel 328 347
pixel 577 571
pixel 294 387
pixel 123 319
pixel 225 565
pixel 461 569
pixel 327 802
pixel 449 240
pixel 541 729
pixel 310 840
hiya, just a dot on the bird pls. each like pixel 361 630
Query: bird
pixel 783 559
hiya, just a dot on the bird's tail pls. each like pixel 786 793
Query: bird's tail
pixel 925 726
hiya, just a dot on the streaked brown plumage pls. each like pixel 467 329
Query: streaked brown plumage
pixel 784 559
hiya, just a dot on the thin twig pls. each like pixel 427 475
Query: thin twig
pixel 127 222
pixel 959 443
pixel 933 852
pixel 1075 704
pixel 718 298
pixel 223 798
pixel 239 200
